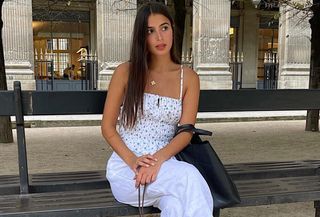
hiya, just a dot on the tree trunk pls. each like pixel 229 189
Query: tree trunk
pixel 5 123
pixel 312 123
pixel 179 18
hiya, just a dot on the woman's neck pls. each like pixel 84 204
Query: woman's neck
pixel 161 63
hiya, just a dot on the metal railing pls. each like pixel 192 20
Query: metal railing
pixel 186 59
pixel 236 69
pixel 271 69
pixel 47 79
pixel 44 74
pixel 89 73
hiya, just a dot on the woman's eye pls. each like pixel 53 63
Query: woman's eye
pixel 164 28
pixel 150 31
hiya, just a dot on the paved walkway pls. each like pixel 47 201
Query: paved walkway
pixel 54 149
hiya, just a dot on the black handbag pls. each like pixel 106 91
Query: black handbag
pixel 201 154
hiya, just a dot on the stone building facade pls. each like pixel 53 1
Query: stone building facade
pixel 208 38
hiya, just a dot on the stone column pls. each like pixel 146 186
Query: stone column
pixel 211 23
pixel 115 21
pixel 294 50
pixel 18 43
pixel 93 32
pixel 187 40
pixel 250 46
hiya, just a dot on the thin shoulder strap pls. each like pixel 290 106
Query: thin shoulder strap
pixel 181 82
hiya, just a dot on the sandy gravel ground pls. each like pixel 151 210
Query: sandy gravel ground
pixel 83 148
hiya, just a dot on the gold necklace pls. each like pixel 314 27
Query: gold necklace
pixel 153 82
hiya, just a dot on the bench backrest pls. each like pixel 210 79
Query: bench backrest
pixel 92 102
pixel 20 103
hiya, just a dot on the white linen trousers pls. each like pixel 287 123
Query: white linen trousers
pixel 179 190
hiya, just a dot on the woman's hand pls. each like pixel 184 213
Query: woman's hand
pixel 147 175
pixel 146 160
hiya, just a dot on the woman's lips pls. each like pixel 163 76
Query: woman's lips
pixel 161 46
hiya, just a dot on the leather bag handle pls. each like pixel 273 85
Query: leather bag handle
pixel 191 128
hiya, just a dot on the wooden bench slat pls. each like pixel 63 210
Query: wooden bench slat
pixel 278 185
pixel 67 175
pixel 66 102
pixel 253 192
pixel 101 211
pixel 7 103
pixel 258 100
pixel 9 184
pixel 92 102
pixel 67 202
pixel 294 197
pixel 82 180
pixel 59 179
pixel 279 190
pixel 8 178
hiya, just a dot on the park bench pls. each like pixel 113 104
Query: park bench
pixel 87 193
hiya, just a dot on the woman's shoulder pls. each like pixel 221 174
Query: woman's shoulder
pixel 120 76
pixel 122 69
pixel 190 76
pixel 121 73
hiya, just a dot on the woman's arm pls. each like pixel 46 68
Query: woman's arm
pixel 115 96
pixel 189 114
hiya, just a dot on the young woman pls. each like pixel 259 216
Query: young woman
pixel 151 94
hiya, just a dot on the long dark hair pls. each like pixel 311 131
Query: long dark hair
pixel 139 61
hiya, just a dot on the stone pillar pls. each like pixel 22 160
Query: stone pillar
pixel 250 46
pixel 187 40
pixel 211 23
pixel 114 29
pixel 18 43
pixel 93 32
pixel 294 50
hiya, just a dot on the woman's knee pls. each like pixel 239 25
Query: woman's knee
pixel 170 206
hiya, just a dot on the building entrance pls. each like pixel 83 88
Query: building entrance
pixel 254 44
pixel 64 35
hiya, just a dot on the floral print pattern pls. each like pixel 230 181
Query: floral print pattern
pixel 156 127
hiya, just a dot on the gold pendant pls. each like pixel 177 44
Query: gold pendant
pixel 153 83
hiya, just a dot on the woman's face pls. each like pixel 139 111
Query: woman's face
pixel 159 35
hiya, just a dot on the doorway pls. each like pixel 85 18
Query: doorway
pixel 64 45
